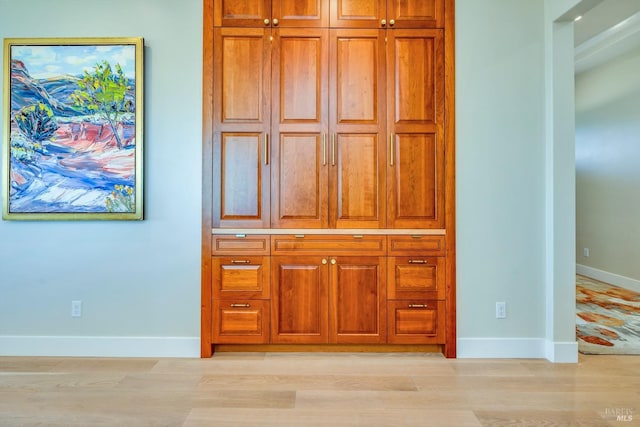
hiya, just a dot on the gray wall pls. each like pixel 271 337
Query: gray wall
pixel 607 167
pixel 135 279
pixel 140 281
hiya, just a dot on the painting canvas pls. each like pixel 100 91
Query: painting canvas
pixel 72 124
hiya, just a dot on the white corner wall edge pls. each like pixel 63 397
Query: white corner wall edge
pixel 611 278
pixel 83 346
pixel 517 348
pixel 561 352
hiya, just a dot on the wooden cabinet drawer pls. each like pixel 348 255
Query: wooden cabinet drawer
pixel 410 245
pixel 241 277
pixel 416 322
pixel 416 277
pixel 328 245
pixel 240 244
pixel 240 321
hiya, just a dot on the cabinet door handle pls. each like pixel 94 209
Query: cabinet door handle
pixel 266 148
pixel 418 306
pixel 324 149
pixel 392 22
pixel 275 21
pixel 383 22
pixel 266 21
pixel 333 261
pixel 417 261
pixel 324 261
pixel 333 149
pixel 392 147
pixel 240 305
pixel 240 261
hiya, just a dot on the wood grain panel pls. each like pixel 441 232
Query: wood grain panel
pixel 300 180
pixel 323 245
pixel 357 127
pixel 358 300
pixel 299 128
pixel 417 172
pixel 241 177
pixel 416 245
pixel 300 300
pixel 241 244
pixel 241 277
pixel 301 13
pixel 416 322
pixel 357 13
pixel 416 13
pixel 357 178
pixel 416 121
pixel 416 277
pixel 416 67
pixel 241 13
pixel 241 121
pixel 241 321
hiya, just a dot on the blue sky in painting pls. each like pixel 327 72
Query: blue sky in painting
pixel 50 61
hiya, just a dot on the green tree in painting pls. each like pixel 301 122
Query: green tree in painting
pixel 103 92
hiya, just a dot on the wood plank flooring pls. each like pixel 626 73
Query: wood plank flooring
pixel 319 389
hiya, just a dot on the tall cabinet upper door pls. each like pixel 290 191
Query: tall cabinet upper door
pixel 271 13
pixel 241 123
pixel 300 13
pixel 387 13
pixel 299 195
pixel 415 108
pixel 358 13
pixel 357 146
pixel 415 13
pixel 241 13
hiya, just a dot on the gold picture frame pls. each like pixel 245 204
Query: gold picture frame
pixel 73 129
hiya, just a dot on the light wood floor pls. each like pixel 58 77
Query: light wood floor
pixel 319 389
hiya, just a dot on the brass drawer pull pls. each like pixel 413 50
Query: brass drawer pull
pixel 240 261
pixel 417 261
pixel 418 306
pixel 240 305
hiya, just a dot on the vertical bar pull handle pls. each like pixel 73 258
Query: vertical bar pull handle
pixel 333 149
pixel 266 148
pixel 324 149
pixel 392 147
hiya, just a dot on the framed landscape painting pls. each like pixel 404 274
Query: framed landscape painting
pixel 73 129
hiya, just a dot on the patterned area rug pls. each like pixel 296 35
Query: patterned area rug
pixel 607 318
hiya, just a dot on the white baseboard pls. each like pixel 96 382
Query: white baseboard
pixel 517 348
pixel 70 346
pixel 501 348
pixel 612 278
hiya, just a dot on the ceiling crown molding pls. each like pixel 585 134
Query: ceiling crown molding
pixel 613 42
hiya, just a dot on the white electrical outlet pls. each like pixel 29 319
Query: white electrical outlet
pixel 585 252
pixel 76 308
pixel 501 310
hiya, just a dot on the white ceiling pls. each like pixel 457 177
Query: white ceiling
pixel 610 29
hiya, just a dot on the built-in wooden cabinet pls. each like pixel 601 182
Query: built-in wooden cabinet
pixel 328 173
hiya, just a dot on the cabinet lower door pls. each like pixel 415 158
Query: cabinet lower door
pixel 416 321
pixel 299 299
pixel 240 321
pixel 358 300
